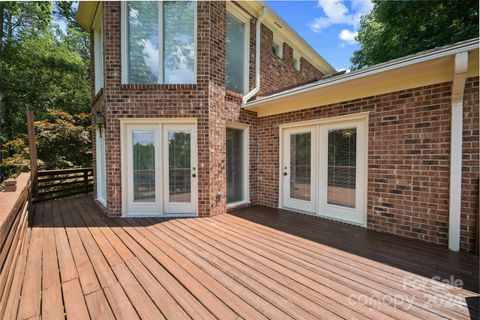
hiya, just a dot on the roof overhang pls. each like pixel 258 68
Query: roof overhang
pixel 285 33
pixel 86 13
pixel 426 68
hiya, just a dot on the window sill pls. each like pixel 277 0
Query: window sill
pixel 158 86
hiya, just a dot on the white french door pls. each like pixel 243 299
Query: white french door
pixel 298 168
pixel 323 169
pixel 179 168
pixel 160 169
pixel 342 174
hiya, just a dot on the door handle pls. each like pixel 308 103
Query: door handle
pixel 194 175
pixel 285 174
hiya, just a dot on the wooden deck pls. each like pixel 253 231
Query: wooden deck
pixel 255 264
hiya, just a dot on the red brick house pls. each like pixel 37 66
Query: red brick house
pixel 204 107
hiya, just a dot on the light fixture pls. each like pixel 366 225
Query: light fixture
pixel 99 121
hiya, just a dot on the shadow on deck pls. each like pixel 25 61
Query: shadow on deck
pixel 258 263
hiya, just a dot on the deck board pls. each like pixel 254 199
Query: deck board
pixel 256 263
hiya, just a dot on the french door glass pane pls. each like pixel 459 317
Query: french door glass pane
pixel 179 41
pixel 235 54
pixel 143 166
pixel 342 150
pixel 179 171
pixel 143 42
pixel 300 165
pixel 234 165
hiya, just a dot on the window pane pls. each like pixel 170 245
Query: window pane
pixel 98 52
pixel 300 165
pixel 234 165
pixel 179 166
pixel 143 42
pixel 179 45
pixel 235 54
pixel 342 157
pixel 143 166
pixel 101 169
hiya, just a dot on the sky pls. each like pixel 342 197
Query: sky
pixel 329 26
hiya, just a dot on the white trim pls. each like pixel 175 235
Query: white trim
pixel 124 44
pixel 100 167
pixel 243 17
pixel 358 120
pixel 306 206
pixel 124 122
pixel 456 140
pixel 383 67
pixel 348 117
pixel 297 65
pixel 157 120
pixel 246 161
pixel 236 11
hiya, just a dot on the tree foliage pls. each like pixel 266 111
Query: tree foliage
pixel 398 28
pixel 43 68
pixel 63 141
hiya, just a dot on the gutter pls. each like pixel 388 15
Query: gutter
pixel 456 140
pixel 391 65
pixel 258 30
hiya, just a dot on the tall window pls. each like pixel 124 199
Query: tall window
pixel 237 42
pixel 159 43
pixel 237 165
pixel 98 50
pixel 101 169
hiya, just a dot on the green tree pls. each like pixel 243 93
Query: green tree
pixel 42 68
pixel 398 28
pixel 63 141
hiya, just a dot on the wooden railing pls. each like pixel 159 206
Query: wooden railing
pixel 53 184
pixel 14 214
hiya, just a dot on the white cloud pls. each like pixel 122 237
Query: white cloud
pixel 348 36
pixel 336 12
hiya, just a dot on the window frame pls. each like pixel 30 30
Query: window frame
pixel 297 65
pixel 279 43
pixel 98 50
pixel 244 17
pixel 245 128
pixel 124 45
pixel 101 166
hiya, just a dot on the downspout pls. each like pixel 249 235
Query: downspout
pixel 258 26
pixel 456 139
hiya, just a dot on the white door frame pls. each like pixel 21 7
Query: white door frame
pixel 176 208
pixel 143 208
pixel 245 161
pixel 157 122
pixel 285 174
pixel 347 121
pixel 353 215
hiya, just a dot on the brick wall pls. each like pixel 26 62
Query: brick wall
pixel 408 160
pixel 471 164
pixel 279 73
pixel 207 101
pixel 154 101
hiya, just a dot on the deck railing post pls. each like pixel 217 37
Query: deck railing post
pixel 33 153
pixel 85 180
